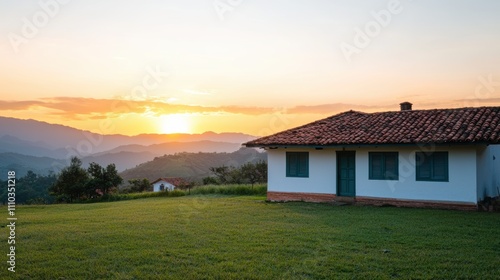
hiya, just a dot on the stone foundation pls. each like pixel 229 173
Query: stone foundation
pixel 308 197
pixel 319 197
pixel 416 203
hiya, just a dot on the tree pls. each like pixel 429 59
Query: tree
pixel 209 181
pixel 96 180
pixel 103 179
pixel 112 177
pixel 221 173
pixel 235 176
pixel 71 182
pixel 248 171
pixel 261 170
pixel 75 182
pixel 31 188
pixel 185 185
pixel 138 185
pixel 255 173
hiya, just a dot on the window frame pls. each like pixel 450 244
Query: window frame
pixel 431 159
pixel 383 166
pixel 299 158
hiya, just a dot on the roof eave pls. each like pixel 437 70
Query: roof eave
pixel 275 146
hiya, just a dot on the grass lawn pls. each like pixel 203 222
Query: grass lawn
pixel 243 237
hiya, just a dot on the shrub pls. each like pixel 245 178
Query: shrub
pixel 202 190
pixel 231 189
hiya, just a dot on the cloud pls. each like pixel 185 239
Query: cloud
pixel 18 105
pixel 77 108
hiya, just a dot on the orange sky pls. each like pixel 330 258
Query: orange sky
pixel 253 67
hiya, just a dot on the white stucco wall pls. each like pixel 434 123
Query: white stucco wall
pixel 461 186
pixel 488 171
pixel 156 186
pixel 322 174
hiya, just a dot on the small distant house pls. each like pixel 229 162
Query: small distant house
pixel 166 184
pixel 445 158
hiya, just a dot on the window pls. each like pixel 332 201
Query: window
pixel 297 164
pixel 383 166
pixel 432 166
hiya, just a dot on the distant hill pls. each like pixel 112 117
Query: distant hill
pixel 10 144
pixel 122 160
pixel 35 138
pixel 124 157
pixel 177 147
pixel 42 147
pixel 194 166
pixel 21 164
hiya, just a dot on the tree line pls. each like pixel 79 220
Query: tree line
pixel 75 183
pixel 31 189
pixel 248 173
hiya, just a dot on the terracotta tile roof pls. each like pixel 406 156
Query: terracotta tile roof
pixel 463 125
pixel 172 180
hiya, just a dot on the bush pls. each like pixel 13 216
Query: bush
pixel 209 181
pixel 129 196
pixel 231 189
pixel 260 189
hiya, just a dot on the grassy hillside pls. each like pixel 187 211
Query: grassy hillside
pixel 210 237
pixel 191 165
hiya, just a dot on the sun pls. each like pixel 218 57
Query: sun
pixel 174 123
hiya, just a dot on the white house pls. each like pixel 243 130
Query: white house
pixel 445 158
pixel 166 184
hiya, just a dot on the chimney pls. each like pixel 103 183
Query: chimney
pixel 405 106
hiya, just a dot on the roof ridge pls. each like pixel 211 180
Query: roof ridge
pixel 449 125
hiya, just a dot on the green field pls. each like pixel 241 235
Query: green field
pixel 243 237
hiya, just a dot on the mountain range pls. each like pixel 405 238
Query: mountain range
pixel 43 147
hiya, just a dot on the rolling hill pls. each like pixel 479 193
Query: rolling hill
pixel 39 146
pixel 176 147
pixel 124 157
pixel 21 164
pixel 194 166
pixel 35 138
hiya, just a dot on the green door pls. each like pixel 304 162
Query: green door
pixel 346 174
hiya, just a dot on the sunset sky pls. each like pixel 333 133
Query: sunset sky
pixel 252 66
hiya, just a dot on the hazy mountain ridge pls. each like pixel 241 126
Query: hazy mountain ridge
pixel 21 164
pixel 64 140
pixel 43 147
pixel 13 144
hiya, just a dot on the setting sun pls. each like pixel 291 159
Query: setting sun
pixel 175 123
